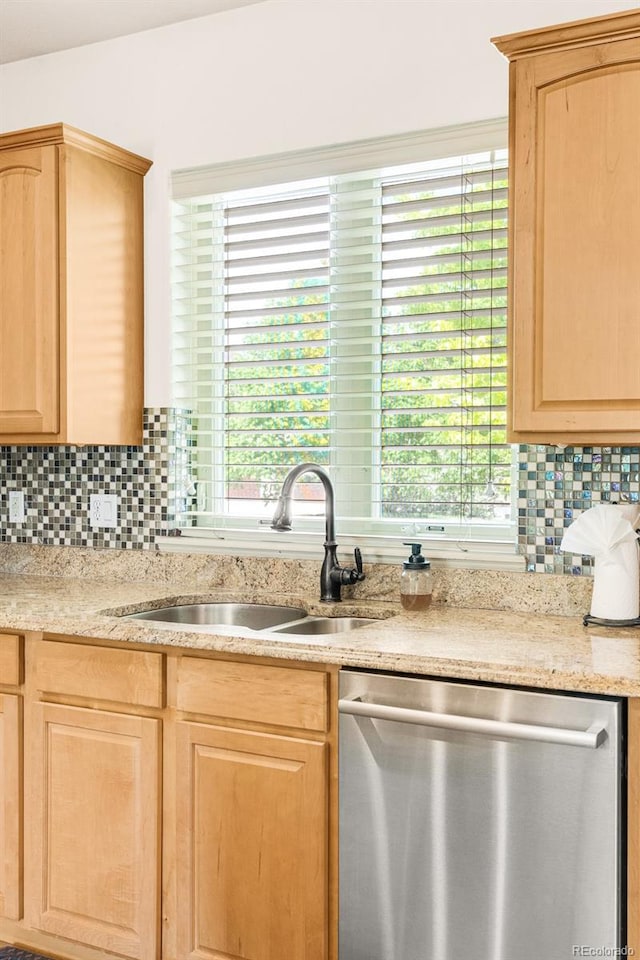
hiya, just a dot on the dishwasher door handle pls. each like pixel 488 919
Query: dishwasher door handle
pixel 594 737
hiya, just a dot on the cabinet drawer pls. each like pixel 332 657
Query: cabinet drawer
pixel 262 694
pixel 103 673
pixel 10 658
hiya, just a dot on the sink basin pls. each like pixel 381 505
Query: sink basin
pixel 320 625
pixel 256 616
pixel 205 617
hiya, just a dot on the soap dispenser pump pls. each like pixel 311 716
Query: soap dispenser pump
pixel 416 582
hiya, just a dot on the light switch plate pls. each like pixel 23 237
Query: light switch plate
pixel 103 509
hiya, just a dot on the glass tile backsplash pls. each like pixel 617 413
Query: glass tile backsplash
pixel 554 484
pixel 58 482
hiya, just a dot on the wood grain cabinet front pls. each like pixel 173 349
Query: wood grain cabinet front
pixel 11 659
pixel 574 282
pixel 251 857
pixel 178 807
pixel 249 812
pixel 11 782
pixel 92 799
pixel 247 692
pixel 10 807
pixel 71 310
pixel 93 844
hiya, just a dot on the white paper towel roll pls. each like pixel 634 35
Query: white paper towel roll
pixel 616 584
pixel 608 533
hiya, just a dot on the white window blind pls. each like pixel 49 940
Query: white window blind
pixel 357 321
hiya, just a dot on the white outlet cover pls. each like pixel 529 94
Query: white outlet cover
pixel 16 506
pixel 103 509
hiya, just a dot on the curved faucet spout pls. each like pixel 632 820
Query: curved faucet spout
pixel 282 516
pixel 332 575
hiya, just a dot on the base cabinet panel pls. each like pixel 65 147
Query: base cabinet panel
pixel 248 803
pixel 151 832
pixel 93 839
pixel 10 808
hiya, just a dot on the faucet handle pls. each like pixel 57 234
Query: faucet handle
pixel 354 574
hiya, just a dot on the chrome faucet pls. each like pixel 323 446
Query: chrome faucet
pixel 332 575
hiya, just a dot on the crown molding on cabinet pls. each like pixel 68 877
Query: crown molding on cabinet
pixel 624 25
pixel 62 133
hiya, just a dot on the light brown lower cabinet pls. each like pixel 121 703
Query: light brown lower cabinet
pixel 633 827
pixel 10 807
pixel 176 807
pixel 249 825
pixel 251 861
pixel 93 853
pixel 179 806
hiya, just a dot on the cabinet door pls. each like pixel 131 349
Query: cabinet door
pixel 29 294
pixel 93 839
pixel 10 808
pixel 575 276
pixel 251 870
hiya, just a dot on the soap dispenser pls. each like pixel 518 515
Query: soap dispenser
pixel 416 582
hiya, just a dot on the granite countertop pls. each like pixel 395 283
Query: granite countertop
pixel 522 648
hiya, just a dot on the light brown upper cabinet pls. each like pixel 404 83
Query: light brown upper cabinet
pixel 574 270
pixel 71 289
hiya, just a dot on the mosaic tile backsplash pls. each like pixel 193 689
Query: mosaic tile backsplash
pixel 554 485
pixel 58 481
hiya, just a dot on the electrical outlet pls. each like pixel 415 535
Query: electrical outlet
pixel 103 509
pixel 16 506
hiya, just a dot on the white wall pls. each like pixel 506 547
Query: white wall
pixel 279 75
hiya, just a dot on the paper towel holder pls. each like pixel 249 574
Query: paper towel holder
pixel 589 620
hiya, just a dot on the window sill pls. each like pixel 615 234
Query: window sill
pixel 306 545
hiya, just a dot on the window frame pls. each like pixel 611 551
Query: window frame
pixel 495 546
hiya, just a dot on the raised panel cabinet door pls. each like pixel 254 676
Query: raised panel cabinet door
pixel 575 244
pixel 633 826
pixel 29 291
pixel 10 808
pixel 251 846
pixel 92 847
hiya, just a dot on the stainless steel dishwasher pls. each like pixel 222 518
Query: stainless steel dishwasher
pixel 478 823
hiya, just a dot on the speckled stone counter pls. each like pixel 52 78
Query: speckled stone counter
pixel 453 586
pixel 505 646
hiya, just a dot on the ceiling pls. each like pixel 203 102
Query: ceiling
pixel 29 28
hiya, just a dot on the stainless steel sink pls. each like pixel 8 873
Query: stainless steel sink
pixel 320 625
pixel 256 616
pixel 266 617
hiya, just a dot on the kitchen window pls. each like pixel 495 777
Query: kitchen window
pixel 353 315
